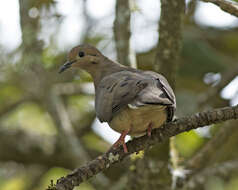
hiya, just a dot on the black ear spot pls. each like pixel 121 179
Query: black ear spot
pixel 81 54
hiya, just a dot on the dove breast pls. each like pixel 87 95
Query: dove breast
pixel 137 119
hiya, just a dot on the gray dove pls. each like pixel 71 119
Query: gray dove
pixel 131 101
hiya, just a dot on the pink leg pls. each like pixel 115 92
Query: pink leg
pixel 121 141
pixel 149 129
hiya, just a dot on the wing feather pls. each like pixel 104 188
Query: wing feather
pixel 137 89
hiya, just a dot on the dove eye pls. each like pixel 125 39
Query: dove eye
pixel 81 54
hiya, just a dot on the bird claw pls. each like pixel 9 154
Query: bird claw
pixel 121 141
pixel 149 129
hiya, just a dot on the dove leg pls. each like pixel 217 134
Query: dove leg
pixel 121 141
pixel 149 129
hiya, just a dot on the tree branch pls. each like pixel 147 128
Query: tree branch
pixel 122 31
pixel 227 6
pixel 166 62
pixel 168 48
pixel 158 135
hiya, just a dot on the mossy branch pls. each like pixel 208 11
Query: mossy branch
pixel 159 135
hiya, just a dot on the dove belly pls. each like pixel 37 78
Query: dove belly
pixel 137 120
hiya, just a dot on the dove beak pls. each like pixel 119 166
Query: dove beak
pixel 66 66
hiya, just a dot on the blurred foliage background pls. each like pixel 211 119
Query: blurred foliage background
pixel 47 121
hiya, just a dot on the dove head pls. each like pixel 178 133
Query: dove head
pixel 85 57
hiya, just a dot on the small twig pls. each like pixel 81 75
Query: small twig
pixel 227 6
pixel 168 130
pixel 227 77
pixel 191 8
pixel 224 170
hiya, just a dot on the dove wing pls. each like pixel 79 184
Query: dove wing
pixel 167 95
pixel 135 88
pixel 117 91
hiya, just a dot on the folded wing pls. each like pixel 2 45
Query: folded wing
pixel 136 89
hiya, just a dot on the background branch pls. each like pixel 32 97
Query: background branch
pixel 170 36
pixel 12 106
pixel 206 156
pixel 227 77
pixel 70 89
pixel 225 170
pixel 202 158
pixel 227 6
pixel 122 31
pixel 166 62
pixel 58 112
pixel 31 150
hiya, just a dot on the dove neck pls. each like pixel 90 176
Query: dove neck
pixel 107 67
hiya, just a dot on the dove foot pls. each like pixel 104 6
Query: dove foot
pixel 149 129
pixel 121 141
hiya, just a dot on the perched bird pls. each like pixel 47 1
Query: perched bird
pixel 132 101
